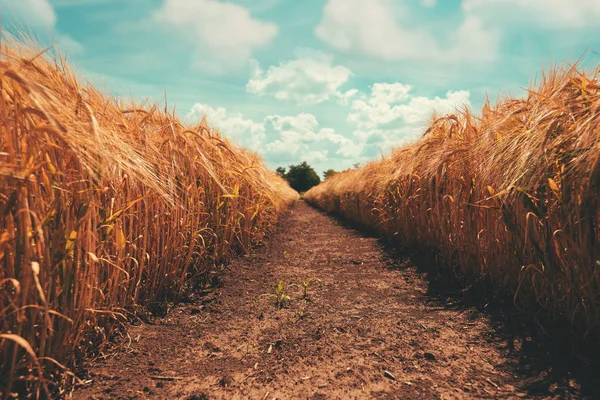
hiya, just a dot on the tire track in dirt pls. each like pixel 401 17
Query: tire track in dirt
pixel 370 331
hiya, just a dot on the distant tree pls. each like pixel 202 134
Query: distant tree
pixel 301 177
pixel 357 165
pixel 280 171
pixel 328 173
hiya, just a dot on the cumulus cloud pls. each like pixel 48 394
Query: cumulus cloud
pixel 345 147
pixel 390 116
pixel 384 93
pixel 302 133
pixel 297 128
pixel 381 29
pixel 305 80
pixel 243 131
pixel 225 34
pixel 372 28
pixel 37 14
pixel 376 28
pixel 550 13
pixel 392 104
pixel 279 138
pixel 316 156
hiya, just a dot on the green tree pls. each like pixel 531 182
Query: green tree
pixel 328 173
pixel 301 177
pixel 280 171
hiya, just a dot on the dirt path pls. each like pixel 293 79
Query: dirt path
pixel 370 331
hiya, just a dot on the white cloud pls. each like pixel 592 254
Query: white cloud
pixel 479 40
pixel 297 128
pixel 550 13
pixel 388 116
pixel 281 147
pixel 372 28
pixel 316 156
pixel 382 93
pixel 244 131
pixel 382 29
pixel 283 138
pixel 37 14
pixel 346 147
pixel 375 28
pixel 391 116
pixel 302 133
pixel 225 34
pixel 304 80
pixel 345 97
pixel 392 104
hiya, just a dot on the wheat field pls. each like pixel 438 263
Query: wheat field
pixel 508 200
pixel 105 206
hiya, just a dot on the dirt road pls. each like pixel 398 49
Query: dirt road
pixel 375 328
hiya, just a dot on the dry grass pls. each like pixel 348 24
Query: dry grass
pixel 509 199
pixel 103 207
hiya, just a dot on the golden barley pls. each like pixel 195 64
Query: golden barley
pixel 105 206
pixel 508 199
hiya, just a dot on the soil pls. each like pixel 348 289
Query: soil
pixel 375 328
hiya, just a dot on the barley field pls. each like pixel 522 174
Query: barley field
pixel 145 257
pixel 107 206
pixel 508 200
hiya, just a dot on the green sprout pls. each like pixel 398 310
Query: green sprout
pixel 302 313
pixel 305 285
pixel 280 295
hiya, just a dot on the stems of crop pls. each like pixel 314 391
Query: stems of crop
pixel 508 200
pixel 105 207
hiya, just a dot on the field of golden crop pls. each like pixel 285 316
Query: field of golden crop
pixel 508 200
pixel 105 206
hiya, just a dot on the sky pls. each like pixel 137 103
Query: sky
pixel 330 82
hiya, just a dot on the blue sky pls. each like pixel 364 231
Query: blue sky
pixel 332 82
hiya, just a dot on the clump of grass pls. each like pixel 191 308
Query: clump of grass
pixel 508 199
pixel 105 205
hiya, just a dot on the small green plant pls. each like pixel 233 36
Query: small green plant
pixel 305 285
pixel 303 313
pixel 279 294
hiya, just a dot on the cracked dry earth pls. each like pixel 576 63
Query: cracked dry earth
pixel 372 330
